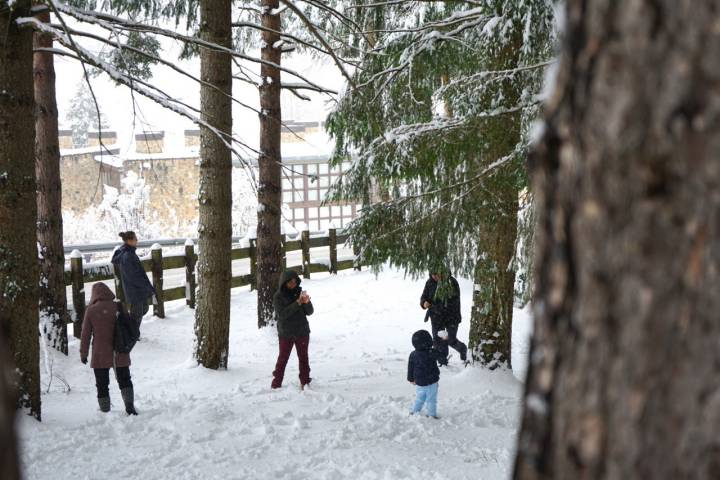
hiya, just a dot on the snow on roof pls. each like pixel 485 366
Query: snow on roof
pixel 66 152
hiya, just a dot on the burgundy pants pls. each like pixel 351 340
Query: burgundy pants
pixel 286 346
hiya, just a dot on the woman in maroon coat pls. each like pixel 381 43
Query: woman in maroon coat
pixel 99 324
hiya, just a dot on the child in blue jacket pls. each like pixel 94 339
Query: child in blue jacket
pixel 423 372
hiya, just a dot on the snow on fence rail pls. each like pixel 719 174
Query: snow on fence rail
pixel 81 273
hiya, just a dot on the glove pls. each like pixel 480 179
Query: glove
pixel 84 360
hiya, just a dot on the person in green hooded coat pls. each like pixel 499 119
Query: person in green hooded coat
pixel 292 307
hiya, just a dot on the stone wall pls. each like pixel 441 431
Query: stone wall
pixel 83 177
pixel 172 187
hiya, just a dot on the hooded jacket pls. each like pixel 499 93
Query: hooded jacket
pixel 99 326
pixel 422 364
pixel 135 282
pixel 291 317
pixel 442 312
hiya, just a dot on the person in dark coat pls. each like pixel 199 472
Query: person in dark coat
pixel 444 315
pixel 423 372
pixel 99 329
pixel 135 282
pixel 292 307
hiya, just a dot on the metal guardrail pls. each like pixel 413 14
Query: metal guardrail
pixel 163 242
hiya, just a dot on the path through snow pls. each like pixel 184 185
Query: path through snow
pixel 352 423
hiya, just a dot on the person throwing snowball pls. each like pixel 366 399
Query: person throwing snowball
pixel 444 314
pixel 292 307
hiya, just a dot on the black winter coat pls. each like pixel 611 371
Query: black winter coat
pixel 135 282
pixel 422 364
pixel 291 318
pixel 442 312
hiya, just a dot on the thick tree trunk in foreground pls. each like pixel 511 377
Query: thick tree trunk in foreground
pixel 18 210
pixel 53 300
pixel 9 467
pixel 212 318
pixel 269 247
pixel 624 380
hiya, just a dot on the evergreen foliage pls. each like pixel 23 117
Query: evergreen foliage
pixel 438 132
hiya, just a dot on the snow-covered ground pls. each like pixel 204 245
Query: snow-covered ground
pixel 352 423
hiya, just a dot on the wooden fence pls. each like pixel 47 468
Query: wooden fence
pixel 79 273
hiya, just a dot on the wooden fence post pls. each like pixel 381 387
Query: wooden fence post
pixel 190 273
pixel 78 291
pixel 119 292
pixel 332 241
pixel 157 279
pixel 356 252
pixel 253 264
pixel 305 244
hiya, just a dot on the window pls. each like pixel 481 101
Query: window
pixel 324 182
pixel 345 166
pixel 324 212
pixel 298 183
pixel 335 212
pixel 347 211
pixel 287 184
pixel 323 169
pixel 298 213
pixel 312 169
pixel 299 196
pixel 312 195
pixel 312 213
pixel 323 193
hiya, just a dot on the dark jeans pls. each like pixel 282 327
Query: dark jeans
pixel 102 380
pixel 138 311
pixel 286 346
pixel 452 341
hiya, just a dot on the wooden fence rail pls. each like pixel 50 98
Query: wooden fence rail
pixel 80 274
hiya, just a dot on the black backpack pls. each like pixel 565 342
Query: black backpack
pixel 127 331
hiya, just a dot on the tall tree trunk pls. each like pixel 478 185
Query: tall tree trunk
pixel 18 210
pixel 269 248
pixel 212 320
pixel 624 380
pixel 9 466
pixel 494 282
pixel 53 299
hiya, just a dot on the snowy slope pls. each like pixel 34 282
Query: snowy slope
pixel 352 423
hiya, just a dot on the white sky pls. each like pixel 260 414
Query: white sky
pixel 117 105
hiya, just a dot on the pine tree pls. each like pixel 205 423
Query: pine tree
pixel 269 246
pixel 624 363
pixel 82 115
pixel 54 316
pixel 438 129
pixel 9 465
pixel 212 319
pixel 18 209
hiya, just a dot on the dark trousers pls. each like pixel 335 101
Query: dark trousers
pixel 442 345
pixel 286 346
pixel 138 311
pixel 102 380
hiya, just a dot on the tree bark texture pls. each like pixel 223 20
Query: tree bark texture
pixel 9 465
pixel 53 300
pixel 269 242
pixel 212 319
pixel 494 282
pixel 19 271
pixel 494 285
pixel 624 379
